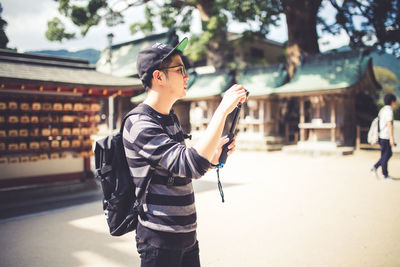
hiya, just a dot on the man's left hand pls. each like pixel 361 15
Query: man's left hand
pixel 222 142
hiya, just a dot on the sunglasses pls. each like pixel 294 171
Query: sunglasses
pixel 182 69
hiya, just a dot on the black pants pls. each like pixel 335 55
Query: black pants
pixel 157 257
pixel 386 153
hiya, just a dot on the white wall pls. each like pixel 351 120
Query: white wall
pixel 396 125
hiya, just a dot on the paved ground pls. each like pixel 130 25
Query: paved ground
pixel 280 210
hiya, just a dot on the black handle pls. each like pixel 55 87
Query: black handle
pixel 224 153
pixel 225 149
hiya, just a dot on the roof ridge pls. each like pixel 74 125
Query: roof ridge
pixel 149 37
pixel 42 62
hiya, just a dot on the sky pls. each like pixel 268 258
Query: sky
pixel 27 24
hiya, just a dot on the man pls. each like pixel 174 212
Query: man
pixel 386 136
pixel 166 233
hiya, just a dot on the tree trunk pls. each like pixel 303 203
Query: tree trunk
pixel 217 51
pixel 301 18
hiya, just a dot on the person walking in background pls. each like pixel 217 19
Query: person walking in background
pixel 386 135
pixel 166 232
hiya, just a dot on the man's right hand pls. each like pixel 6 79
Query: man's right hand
pixel 232 97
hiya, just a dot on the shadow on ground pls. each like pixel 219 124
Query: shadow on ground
pixel 203 186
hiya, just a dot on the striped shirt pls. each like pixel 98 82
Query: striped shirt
pixel 157 140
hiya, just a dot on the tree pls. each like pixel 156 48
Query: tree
pixel 3 36
pixel 301 20
pixel 174 13
pixel 369 22
pixel 387 79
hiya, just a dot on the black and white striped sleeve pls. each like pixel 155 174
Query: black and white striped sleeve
pixel 151 141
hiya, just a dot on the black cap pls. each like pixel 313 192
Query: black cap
pixel 149 59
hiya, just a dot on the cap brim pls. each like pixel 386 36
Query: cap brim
pixel 182 45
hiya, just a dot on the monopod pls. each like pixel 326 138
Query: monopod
pixel 225 149
pixel 231 133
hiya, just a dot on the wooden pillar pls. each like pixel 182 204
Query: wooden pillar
pixel 120 111
pixel 261 117
pixel 358 137
pixel 287 133
pixel 333 120
pixel 268 117
pixel 302 119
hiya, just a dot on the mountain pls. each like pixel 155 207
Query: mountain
pixel 91 55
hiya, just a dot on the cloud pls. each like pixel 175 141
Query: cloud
pixel 27 24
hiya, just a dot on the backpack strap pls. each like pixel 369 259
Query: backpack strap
pixel 142 194
pixel 379 127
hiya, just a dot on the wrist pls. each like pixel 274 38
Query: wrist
pixel 221 112
pixel 213 166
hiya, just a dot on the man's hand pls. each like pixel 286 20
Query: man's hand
pixel 392 143
pixel 391 134
pixel 208 142
pixel 232 97
pixel 222 142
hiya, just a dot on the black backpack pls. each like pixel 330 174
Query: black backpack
pixel 120 204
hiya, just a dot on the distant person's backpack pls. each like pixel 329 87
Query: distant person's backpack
pixel 120 204
pixel 373 133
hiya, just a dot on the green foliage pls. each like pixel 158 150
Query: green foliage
pixel 147 27
pixel 368 22
pixel 63 7
pixel 197 47
pixel 396 112
pixel 79 15
pixel 363 20
pixel 265 13
pixel 83 15
pixel 216 24
pixel 56 31
pixel 386 78
pixel 95 5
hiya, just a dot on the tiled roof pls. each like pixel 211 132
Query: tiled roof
pixel 333 71
pixel 263 80
pixel 17 66
pixel 322 72
pixel 209 85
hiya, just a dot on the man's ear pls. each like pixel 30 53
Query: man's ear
pixel 158 77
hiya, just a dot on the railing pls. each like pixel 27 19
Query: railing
pixel 361 139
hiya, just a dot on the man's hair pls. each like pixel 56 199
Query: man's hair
pixel 389 98
pixel 164 64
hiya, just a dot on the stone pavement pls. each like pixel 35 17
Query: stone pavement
pixel 280 210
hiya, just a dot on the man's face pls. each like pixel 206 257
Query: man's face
pixel 394 104
pixel 177 77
